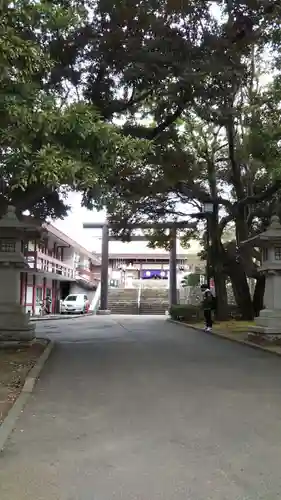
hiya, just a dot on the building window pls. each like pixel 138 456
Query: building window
pixel 265 254
pixel 277 253
pixel 39 295
pixel 7 246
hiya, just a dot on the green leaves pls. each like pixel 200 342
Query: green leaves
pixel 171 71
pixel 48 142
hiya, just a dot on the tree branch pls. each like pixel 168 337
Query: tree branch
pixel 25 200
pixel 170 119
pixel 223 223
pixel 263 196
pixel 195 192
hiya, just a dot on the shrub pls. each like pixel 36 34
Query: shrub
pixel 194 313
pixel 192 279
pixel 186 312
pixel 234 312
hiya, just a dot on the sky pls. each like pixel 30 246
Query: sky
pixel 73 224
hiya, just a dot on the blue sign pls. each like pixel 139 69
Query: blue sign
pixel 148 274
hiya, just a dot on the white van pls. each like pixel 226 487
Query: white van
pixel 75 303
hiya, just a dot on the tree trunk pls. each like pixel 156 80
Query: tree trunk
pixel 217 260
pixel 258 295
pixel 221 296
pixel 240 289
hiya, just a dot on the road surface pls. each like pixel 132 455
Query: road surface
pixel 137 408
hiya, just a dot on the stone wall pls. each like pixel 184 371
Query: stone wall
pixel 193 295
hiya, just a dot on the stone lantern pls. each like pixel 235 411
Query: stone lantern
pixel 14 322
pixel 269 320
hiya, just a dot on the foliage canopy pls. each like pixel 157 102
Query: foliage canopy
pixel 48 143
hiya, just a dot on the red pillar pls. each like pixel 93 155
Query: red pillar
pixel 22 285
pixel 54 295
pixel 25 288
pixel 44 289
pixel 35 256
pixel 33 294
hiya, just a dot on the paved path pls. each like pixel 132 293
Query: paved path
pixel 140 409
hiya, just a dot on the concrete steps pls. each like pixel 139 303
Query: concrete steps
pixel 153 309
pixel 123 301
pixel 154 301
pixel 123 308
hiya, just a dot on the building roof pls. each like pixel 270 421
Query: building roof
pixel 158 256
pixel 63 237
pixel 141 248
pixel 66 239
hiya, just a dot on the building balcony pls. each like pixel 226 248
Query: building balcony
pixel 88 276
pixel 46 265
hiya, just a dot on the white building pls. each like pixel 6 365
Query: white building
pixel 129 262
pixel 57 266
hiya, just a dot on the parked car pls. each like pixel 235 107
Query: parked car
pixel 75 303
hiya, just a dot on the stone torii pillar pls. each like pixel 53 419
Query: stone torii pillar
pixel 104 271
pixel 103 309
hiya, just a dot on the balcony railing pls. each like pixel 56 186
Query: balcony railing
pixel 87 275
pixel 41 262
pixel 45 263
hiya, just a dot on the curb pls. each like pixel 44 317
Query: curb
pixel 61 317
pixel 230 339
pixel 9 423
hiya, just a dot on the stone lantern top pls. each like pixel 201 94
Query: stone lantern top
pixel 12 233
pixel 10 219
pixel 273 232
pixel 269 241
pixel 269 237
pixel 11 225
pixel 275 223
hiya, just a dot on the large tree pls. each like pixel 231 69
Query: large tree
pixel 190 64
pixel 49 143
pixel 193 164
pixel 175 73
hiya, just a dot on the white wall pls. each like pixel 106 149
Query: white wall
pixel 75 288
pixel 157 265
pixel 84 261
pixel 31 246
pixel 115 274
pixel 69 256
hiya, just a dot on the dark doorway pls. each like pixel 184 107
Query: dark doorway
pixel 64 289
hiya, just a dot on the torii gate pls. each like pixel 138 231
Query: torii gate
pixel 106 237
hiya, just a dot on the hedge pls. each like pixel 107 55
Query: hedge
pixel 186 312
pixel 194 313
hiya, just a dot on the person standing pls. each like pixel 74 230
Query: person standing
pixel 48 304
pixel 207 305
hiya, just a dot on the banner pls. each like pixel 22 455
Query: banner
pixel 148 274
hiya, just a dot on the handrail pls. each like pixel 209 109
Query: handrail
pixel 139 297
pixel 96 300
pixel 53 260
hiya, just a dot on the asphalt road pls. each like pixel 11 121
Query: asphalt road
pixel 136 408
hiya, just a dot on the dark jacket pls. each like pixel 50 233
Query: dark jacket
pixel 208 300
